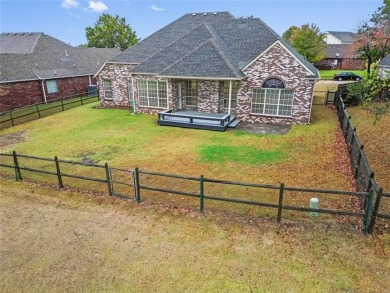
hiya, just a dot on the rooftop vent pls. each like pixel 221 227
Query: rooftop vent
pixel 30 34
pixel 66 53
pixel 205 13
pixel 14 34
pixel 215 13
pixel 193 14
pixel 7 34
pixel 21 34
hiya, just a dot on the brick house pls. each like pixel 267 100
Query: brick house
pixel 212 63
pixel 339 54
pixel 35 68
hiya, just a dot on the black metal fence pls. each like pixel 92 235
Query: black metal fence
pixel 364 176
pixel 235 199
pixel 36 111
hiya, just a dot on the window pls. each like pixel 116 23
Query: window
pixel 190 93
pixel 273 99
pixel 51 86
pixel 152 93
pixel 226 95
pixel 107 89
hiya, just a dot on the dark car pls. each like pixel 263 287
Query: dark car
pixel 347 76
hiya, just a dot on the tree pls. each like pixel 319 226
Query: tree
pixel 111 32
pixel 373 37
pixel 307 40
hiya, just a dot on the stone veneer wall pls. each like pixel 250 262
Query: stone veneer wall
pixel 120 77
pixel 277 63
pixel 208 96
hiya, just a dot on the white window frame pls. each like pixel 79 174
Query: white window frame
pixel 264 103
pixel 225 95
pixel 51 86
pixel 189 94
pixel 158 93
pixel 107 90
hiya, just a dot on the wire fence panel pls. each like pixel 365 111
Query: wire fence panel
pixel 7 168
pixel 84 177
pixel 336 207
pixel 123 183
pixel 39 170
pixel 241 199
pixel 172 190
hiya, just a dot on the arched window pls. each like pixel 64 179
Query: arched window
pixel 273 99
pixel 273 83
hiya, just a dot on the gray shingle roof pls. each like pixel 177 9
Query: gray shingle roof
pixel 385 62
pixel 30 56
pixel 344 37
pixel 339 51
pixel 213 45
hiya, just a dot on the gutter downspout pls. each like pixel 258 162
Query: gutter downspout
pixel 132 94
pixel 43 86
pixel 90 81
pixel 230 97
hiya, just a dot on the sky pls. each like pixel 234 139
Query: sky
pixel 67 20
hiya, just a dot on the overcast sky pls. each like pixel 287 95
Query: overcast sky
pixel 66 20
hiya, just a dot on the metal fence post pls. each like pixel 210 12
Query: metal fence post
pixel 109 181
pixel 367 212
pixel 358 161
pixel 62 104
pixel 39 113
pixel 280 206
pixel 60 184
pixel 136 185
pixel 18 174
pixel 376 208
pixel 201 193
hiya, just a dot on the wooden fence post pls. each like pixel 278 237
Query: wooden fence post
pixel 137 185
pixel 62 104
pixel 376 208
pixel 109 181
pixel 280 206
pixel 201 193
pixel 18 174
pixel 12 118
pixel 39 113
pixel 367 211
pixel 359 159
pixel 60 184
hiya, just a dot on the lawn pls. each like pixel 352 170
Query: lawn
pixel 328 74
pixel 376 140
pixel 57 241
pixel 304 157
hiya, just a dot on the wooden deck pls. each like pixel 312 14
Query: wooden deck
pixel 197 120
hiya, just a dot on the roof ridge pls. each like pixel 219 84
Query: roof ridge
pixel 219 50
pixel 166 68
pixel 173 42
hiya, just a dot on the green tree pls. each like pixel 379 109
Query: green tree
pixel 111 32
pixel 307 40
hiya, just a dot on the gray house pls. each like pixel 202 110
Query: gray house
pixel 384 66
pixel 212 63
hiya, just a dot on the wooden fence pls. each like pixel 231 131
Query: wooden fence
pixel 36 111
pixel 259 201
pixel 363 173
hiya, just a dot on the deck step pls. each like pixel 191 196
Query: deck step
pixel 234 123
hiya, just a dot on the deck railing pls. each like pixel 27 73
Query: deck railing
pixel 191 119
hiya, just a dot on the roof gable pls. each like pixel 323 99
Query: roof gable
pixel 385 62
pixel 344 37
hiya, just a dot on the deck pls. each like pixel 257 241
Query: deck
pixel 197 120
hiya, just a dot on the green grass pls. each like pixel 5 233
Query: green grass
pixel 33 112
pixel 240 154
pixel 125 141
pixel 328 74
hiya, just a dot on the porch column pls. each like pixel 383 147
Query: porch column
pixel 230 97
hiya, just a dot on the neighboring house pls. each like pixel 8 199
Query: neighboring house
pixel 35 67
pixel 384 66
pixel 213 63
pixel 339 55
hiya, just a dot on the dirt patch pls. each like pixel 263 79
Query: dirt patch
pixel 7 140
pixel 262 128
